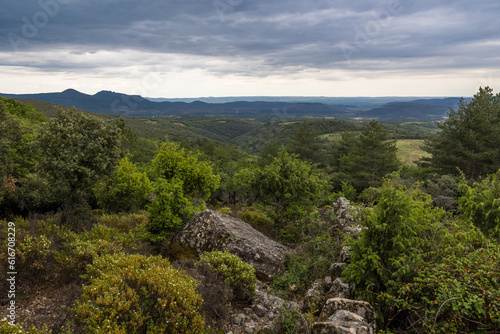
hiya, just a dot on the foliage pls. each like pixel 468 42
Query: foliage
pixel 456 290
pixel 370 156
pixel 400 229
pixel 291 186
pixel 27 113
pixel 306 144
pixel 184 184
pixel 269 152
pixel 256 215
pixel 290 321
pixel 173 162
pixel 470 138
pixel 480 204
pixel 16 156
pixel 225 211
pixel 310 261
pixel 78 148
pixel 238 274
pixel 138 294
pixel 126 189
pixel 170 209
pixel 7 328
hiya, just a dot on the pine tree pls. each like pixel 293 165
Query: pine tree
pixel 470 138
pixel 305 143
pixel 372 156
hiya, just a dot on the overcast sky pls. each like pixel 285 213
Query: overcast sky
pixel 194 48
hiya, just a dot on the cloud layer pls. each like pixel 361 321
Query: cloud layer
pixel 247 41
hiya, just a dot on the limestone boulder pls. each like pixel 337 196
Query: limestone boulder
pixel 209 230
pixel 360 308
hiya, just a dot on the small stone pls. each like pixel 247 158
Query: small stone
pixel 239 319
pixel 260 310
pixel 336 269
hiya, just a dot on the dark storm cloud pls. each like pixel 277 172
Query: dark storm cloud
pixel 320 34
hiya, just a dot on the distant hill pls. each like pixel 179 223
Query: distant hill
pixel 422 110
pixel 277 109
pixel 107 102
pixel 407 111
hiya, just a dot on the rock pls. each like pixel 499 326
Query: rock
pixel 336 269
pixel 345 213
pixel 339 290
pixel 361 308
pixel 315 296
pixel 238 319
pixel 346 316
pixel 259 310
pixel 268 301
pixel 340 327
pixel 345 254
pixel 209 230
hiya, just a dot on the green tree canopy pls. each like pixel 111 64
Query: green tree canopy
pixel 470 138
pixel 78 149
pixel 126 189
pixel 306 144
pixel 292 186
pixel 370 156
pixel 184 184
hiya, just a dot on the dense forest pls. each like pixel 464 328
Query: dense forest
pixel 93 202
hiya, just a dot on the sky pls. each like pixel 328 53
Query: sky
pixel 198 48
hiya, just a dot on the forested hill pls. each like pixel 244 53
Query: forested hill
pixel 107 102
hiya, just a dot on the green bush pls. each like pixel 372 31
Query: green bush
pixel 170 209
pixel 457 291
pixel 480 204
pixel 238 274
pixel 138 294
pixel 400 230
pixel 225 211
pixel 311 260
pixel 79 250
pixel 6 328
pixel 127 188
pixel 256 215
pixel 183 185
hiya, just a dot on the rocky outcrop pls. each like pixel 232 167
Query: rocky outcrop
pixel 209 230
pixel 340 315
pixel 346 216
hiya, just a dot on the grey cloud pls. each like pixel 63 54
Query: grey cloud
pixel 290 34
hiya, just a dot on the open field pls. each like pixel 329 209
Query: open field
pixel 410 150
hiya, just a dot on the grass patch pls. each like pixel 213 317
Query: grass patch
pixel 410 150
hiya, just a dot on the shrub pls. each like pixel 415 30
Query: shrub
pixel 127 189
pixel 480 204
pixel 169 210
pixel 6 328
pixel 238 274
pixel 311 260
pixel 458 291
pixel 291 321
pixel 400 229
pixel 225 211
pixel 184 184
pixel 34 251
pixel 255 215
pixel 138 294
pixel 80 250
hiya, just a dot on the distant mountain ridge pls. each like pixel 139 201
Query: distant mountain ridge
pixel 382 108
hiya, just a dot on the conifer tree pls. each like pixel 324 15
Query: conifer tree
pixel 305 143
pixel 470 138
pixel 371 157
